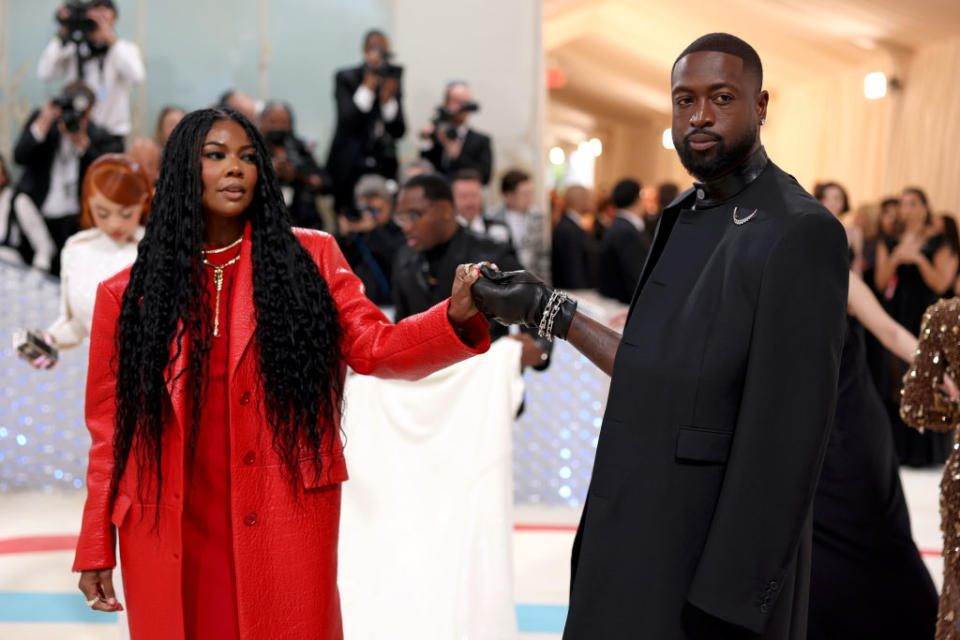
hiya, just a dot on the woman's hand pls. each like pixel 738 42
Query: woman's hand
pixel 909 250
pixel 97 588
pixel 42 362
pixel 461 307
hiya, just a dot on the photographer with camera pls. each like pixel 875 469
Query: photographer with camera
pixel 87 48
pixel 369 120
pixel 449 143
pixel 55 148
pixel 301 178
pixel 371 242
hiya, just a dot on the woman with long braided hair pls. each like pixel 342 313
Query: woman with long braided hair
pixel 214 395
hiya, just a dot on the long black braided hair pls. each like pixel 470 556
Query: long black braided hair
pixel 298 332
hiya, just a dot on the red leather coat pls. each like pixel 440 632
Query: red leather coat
pixel 285 545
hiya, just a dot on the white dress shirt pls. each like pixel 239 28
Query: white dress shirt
pixel 476 224
pixel 576 217
pixel 364 97
pixel 88 258
pixel 121 68
pixel 633 219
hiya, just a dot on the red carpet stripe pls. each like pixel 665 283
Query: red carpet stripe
pixel 33 544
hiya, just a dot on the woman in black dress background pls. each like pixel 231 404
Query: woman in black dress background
pixel 867 577
pixel 919 270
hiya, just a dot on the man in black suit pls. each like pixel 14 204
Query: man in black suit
pixel 624 247
pixel 575 252
pixel 450 144
pixel 424 269
pixel 55 148
pixel 369 120
pixel 697 523
pixel 301 178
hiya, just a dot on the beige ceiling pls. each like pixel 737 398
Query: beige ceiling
pixel 617 54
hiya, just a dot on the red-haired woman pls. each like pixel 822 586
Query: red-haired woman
pixel 116 200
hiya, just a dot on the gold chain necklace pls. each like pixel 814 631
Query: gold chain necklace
pixel 218 282
pixel 210 252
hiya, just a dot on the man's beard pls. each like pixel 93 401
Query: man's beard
pixel 724 158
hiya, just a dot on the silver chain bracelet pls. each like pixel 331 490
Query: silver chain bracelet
pixel 550 311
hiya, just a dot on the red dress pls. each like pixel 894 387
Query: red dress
pixel 209 582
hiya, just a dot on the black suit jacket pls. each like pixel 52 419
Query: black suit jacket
pixel 37 157
pixel 371 255
pixel 621 259
pixel 697 522
pixel 356 149
pixel 574 256
pixel 415 289
pixel 476 153
pixel 303 207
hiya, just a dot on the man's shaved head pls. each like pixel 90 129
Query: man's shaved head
pixel 732 45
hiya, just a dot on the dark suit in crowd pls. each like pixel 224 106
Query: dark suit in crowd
pixel 37 157
pixel 363 142
pixel 476 153
pixel 302 204
pixel 697 524
pixel 574 256
pixel 421 279
pixel 621 259
pixel 37 160
pixel 371 255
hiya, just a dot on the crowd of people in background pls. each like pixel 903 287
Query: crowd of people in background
pixel 351 196
pixel 85 191
pixel 905 252
pixel 909 256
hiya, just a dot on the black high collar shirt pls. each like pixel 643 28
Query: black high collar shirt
pixel 714 192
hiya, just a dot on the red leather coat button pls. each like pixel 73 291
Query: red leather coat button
pixel 245 397
pixel 249 458
pixel 250 519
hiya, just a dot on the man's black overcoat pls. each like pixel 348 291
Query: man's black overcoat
pixel 697 522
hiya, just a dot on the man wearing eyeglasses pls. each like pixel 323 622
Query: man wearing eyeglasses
pixel 436 244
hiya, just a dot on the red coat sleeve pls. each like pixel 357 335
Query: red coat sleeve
pixel 415 347
pixel 95 547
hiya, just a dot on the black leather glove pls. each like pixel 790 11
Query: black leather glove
pixel 519 297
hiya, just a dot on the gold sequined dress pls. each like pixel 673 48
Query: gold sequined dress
pixel 924 406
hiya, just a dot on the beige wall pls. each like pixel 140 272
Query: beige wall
pixel 631 148
pixel 829 131
pixel 635 150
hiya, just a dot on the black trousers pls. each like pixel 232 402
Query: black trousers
pixel 60 229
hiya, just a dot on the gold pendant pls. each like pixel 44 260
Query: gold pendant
pixel 218 284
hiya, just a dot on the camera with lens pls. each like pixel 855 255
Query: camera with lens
pixel 77 24
pixel 73 105
pixel 302 163
pixel 386 70
pixel 443 121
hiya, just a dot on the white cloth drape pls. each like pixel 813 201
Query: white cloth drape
pixel 426 525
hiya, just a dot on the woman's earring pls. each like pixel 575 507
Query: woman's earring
pixel 763 121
